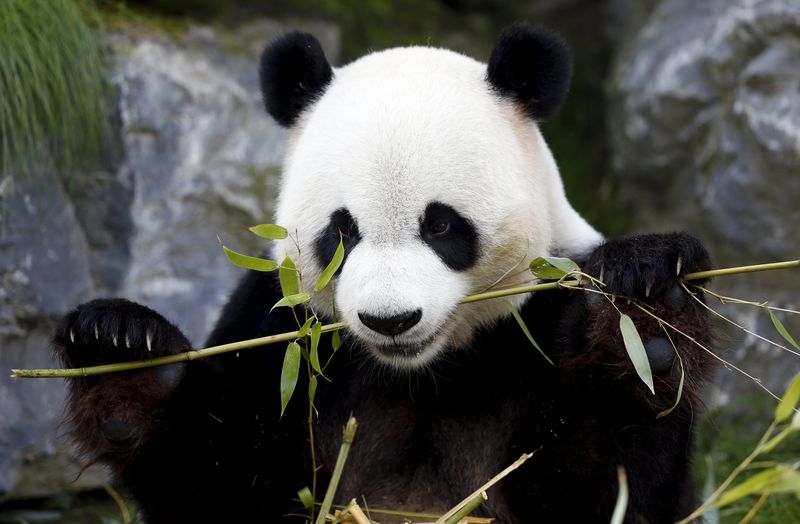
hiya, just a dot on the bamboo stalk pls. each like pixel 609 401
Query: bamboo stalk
pixel 471 506
pixel 170 359
pixel 285 337
pixel 480 492
pixel 348 435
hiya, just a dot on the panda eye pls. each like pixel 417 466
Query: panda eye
pixel 439 228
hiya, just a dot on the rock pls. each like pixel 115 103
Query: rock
pixel 193 158
pixel 705 130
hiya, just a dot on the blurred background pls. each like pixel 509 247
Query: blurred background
pixel 132 136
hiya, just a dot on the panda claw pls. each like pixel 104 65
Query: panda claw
pixel 647 289
pixel 678 268
pixel 149 340
pixel 602 272
pixel 72 335
pixel 114 340
pixel 127 341
pixel 96 332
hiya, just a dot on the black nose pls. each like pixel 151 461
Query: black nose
pixel 392 325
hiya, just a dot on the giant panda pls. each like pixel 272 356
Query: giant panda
pixel 430 167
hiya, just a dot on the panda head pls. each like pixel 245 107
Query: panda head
pixel 430 167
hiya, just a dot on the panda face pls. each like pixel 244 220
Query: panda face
pixel 438 186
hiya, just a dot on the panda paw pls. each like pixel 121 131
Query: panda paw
pixel 647 266
pixel 648 269
pixel 107 331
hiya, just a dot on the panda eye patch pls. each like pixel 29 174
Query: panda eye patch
pixel 451 236
pixel 341 225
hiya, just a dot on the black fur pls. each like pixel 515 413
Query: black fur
pixel 457 244
pixel 214 449
pixel 341 226
pixel 532 66
pixel 294 73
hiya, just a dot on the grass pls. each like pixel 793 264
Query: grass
pixel 52 86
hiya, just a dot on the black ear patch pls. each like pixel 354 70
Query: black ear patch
pixel 294 73
pixel 533 66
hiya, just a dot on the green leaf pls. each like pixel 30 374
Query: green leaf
pixel 636 352
pixel 782 330
pixel 541 268
pixel 789 402
pixel 287 275
pixel 329 271
pixel 618 517
pixel 247 262
pixel 787 482
pixel 758 483
pixel 292 300
pixel 680 388
pixel 336 340
pixel 312 388
pixel 552 268
pixel 316 333
pixel 270 231
pixel 291 368
pixel 304 328
pixel 524 328
pixel 306 497
pixel 777 439
pixel 564 264
pixel 779 479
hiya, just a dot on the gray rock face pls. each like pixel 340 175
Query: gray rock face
pixel 705 129
pixel 196 159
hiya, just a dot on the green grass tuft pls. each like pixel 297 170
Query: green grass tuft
pixel 52 85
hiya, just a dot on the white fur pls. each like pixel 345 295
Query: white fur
pixel 393 132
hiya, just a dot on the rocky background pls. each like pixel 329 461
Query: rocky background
pixel 684 115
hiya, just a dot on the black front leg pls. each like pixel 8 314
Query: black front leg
pixel 613 411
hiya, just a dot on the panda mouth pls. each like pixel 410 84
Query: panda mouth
pixel 410 350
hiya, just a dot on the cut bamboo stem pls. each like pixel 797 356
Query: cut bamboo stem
pixel 285 337
pixel 348 435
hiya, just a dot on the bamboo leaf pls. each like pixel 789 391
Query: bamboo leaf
pixel 332 268
pixel 270 231
pixel 248 262
pixel 787 482
pixel 303 331
pixel 779 479
pixel 541 268
pixel 289 373
pixel 292 300
pixel 552 268
pixel 564 264
pixel 312 388
pixel 789 401
pixel 525 330
pixel 680 388
pixel 636 352
pixel 316 333
pixel 782 330
pixel 306 498
pixel 336 340
pixel 777 439
pixel 621 507
pixel 287 275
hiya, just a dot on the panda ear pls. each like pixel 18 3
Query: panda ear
pixel 294 73
pixel 533 66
